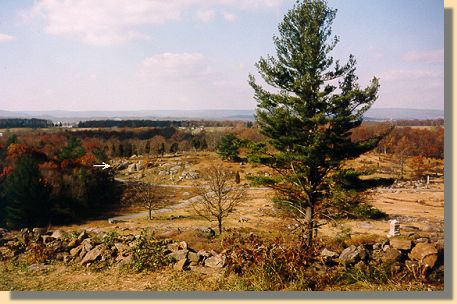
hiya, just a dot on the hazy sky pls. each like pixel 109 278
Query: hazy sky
pixel 197 54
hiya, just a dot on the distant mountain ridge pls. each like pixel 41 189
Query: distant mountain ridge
pixel 76 116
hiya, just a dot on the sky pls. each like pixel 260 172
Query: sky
pixel 197 54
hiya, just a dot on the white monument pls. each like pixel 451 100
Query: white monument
pixel 394 228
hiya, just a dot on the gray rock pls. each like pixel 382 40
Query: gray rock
pixel 140 165
pixel 193 257
pixel 179 254
pixel 94 254
pixel 329 254
pixel 121 247
pixel 203 254
pixel 207 232
pixel 73 243
pixel 131 168
pixel 47 239
pixel 83 235
pixel 37 232
pixel 365 225
pixel 76 251
pixel 349 255
pixel 180 265
pixel 59 234
pixel 183 245
pixel 216 261
pixel 124 261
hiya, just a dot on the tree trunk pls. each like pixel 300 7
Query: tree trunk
pixel 309 227
pixel 220 225
pixel 150 213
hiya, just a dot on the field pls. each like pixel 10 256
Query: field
pixel 418 206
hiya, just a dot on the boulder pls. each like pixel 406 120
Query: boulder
pixel 179 254
pixel 183 245
pixel 76 251
pixel 401 244
pixel 37 232
pixel 193 257
pixel 94 254
pixel 329 254
pixel 47 239
pixel 87 245
pixel 216 261
pixel 121 248
pixel 140 165
pixel 180 265
pixel 207 232
pixel 59 234
pixel 124 261
pixel 351 255
pixel 390 255
pixel 424 253
pixel 131 168
pixel 73 243
pixel 83 235
pixel 203 254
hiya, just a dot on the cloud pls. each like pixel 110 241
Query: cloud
pixel 111 22
pixel 192 81
pixel 206 15
pixel 5 37
pixel 229 17
pixel 433 56
pixel 411 74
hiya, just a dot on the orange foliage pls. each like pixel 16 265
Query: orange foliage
pixel 15 151
pixel 87 160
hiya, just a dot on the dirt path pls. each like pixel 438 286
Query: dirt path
pixel 181 205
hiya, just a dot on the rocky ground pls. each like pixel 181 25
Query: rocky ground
pixel 185 255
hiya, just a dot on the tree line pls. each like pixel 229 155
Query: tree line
pixel 25 123
pixel 51 184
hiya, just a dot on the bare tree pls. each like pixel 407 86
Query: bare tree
pixel 218 195
pixel 143 195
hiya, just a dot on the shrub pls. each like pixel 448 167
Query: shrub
pixel 149 253
pixel 267 265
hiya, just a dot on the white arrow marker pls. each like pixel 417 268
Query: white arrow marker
pixel 105 166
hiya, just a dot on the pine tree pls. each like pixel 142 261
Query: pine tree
pixel 228 147
pixel 26 197
pixel 309 117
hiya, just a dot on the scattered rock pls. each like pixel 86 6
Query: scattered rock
pixel 179 254
pixel 131 168
pixel 350 255
pixel 180 265
pixel 73 243
pixel 424 253
pixel 83 235
pixel 193 257
pixel 76 251
pixel 401 244
pixel 124 261
pixel 121 247
pixel 216 261
pixel 366 225
pixel 47 239
pixel 390 255
pixel 94 254
pixel 59 234
pixel 329 254
pixel 207 232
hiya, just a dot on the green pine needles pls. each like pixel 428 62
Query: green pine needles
pixel 308 117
